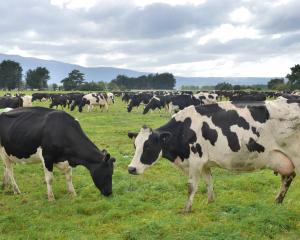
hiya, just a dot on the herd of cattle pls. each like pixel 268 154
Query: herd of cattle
pixel 246 133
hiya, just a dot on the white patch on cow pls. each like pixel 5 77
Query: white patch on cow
pixel 27 101
pixel 156 98
pixel 141 138
pixel 94 101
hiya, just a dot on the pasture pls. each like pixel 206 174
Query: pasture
pixel 146 206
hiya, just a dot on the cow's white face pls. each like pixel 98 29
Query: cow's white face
pixel 148 148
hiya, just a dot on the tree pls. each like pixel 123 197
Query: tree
pixel 151 81
pixel 273 83
pixel 37 78
pixel 294 77
pixel 10 74
pixel 73 81
pixel 223 86
pixel 54 86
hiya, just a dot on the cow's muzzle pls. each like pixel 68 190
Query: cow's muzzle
pixel 132 170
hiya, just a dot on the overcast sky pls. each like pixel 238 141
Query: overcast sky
pixel 185 37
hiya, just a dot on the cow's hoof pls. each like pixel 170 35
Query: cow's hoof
pixel 51 198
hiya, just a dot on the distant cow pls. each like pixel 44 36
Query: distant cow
pixel 238 137
pixel 93 99
pixel 58 100
pixel 11 102
pixel 156 102
pixel 29 135
pixel 179 102
pixel 110 98
pixel 137 99
pixel 40 96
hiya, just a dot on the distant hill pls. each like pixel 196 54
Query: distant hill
pixel 59 70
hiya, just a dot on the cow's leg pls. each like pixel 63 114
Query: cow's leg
pixel 193 182
pixel 207 177
pixel 9 174
pixel 285 184
pixel 48 171
pixel 89 108
pixel 49 180
pixel 67 170
pixel 5 178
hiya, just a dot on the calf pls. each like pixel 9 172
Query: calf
pixel 233 136
pixel 29 135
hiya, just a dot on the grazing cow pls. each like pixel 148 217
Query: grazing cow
pixel 11 102
pixel 29 135
pixel 156 102
pixel 233 136
pixel 76 101
pixel 126 97
pixel 40 96
pixel 58 100
pixel 137 99
pixel 93 99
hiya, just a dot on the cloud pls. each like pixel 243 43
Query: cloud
pixel 187 37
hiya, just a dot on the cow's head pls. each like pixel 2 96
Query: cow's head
pixel 102 174
pixel 148 148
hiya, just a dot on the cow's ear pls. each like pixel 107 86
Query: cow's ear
pixel 107 157
pixel 132 135
pixel 113 159
pixel 104 151
pixel 164 137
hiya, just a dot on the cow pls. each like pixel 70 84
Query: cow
pixel 234 136
pixel 55 138
pixel 40 96
pixel 179 102
pixel 93 99
pixel 76 101
pixel 11 102
pixel 27 101
pixel 207 98
pixel 137 99
pixel 58 100
pixel 159 102
pixel 110 98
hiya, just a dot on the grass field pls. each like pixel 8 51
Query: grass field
pixel 146 206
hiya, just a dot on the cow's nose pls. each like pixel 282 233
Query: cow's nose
pixel 132 170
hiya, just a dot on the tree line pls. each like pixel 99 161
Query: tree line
pixel 11 78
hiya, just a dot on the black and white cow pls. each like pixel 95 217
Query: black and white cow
pixel 137 99
pixel 11 102
pixel 93 99
pixel 58 100
pixel 179 102
pixel 110 98
pixel 40 96
pixel 29 135
pixel 159 101
pixel 238 137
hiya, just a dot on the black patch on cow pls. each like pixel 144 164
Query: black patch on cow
pixel 259 113
pixel 225 119
pixel 177 146
pixel 197 149
pixel 253 146
pixel 97 97
pixel 254 130
pixel 210 96
pixel 296 100
pixel 209 134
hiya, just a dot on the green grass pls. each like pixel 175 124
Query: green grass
pixel 146 206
